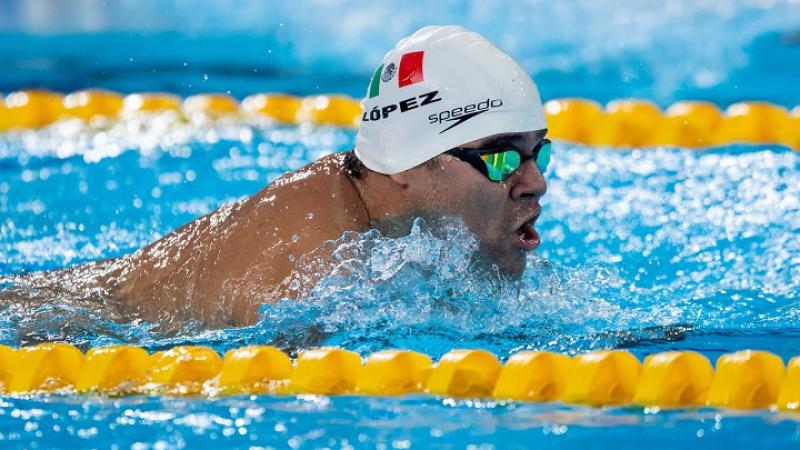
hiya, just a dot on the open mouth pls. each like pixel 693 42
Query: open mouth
pixel 527 236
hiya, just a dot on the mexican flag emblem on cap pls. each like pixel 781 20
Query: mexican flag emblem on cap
pixel 410 72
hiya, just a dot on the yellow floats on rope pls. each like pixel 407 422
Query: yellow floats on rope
pixel 534 376
pixel 115 368
pixel 89 104
pixel 622 123
pixel 694 124
pixel 31 109
pixel 464 374
pixel 45 367
pixel 789 395
pixel 151 102
pixel 210 105
pixel 254 369
pixel 280 108
pixel 673 379
pixel 747 379
pixel 394 372
pixel 325 371
pixel 605 377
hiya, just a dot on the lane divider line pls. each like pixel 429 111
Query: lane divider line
pixel 631 123
pixel 745 380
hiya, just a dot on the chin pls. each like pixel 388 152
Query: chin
pixel 510 260
pixel 517 270
pixel 512 265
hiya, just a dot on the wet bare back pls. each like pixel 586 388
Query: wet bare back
pixel 221 267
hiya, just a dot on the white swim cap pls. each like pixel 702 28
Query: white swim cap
pixel 440 88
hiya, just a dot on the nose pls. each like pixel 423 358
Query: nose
pixel 529 183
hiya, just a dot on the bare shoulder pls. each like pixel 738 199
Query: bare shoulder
pixel 322 182
pixel 329 166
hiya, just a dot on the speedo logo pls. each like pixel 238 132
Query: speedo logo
pixel 463 113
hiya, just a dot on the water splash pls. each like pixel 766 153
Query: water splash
pixel 430 291
pixel 640 248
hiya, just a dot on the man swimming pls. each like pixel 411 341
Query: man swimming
pixel 452 126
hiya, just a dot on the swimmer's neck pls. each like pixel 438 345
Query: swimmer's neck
pixel 387 203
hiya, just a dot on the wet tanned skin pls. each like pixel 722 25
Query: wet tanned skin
pixel 221 267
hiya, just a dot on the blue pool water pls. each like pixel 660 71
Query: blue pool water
pixel 645 249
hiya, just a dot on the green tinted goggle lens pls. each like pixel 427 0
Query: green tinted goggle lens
pixel 543 157
pixel 499 165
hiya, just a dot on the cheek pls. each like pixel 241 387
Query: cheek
pixel 468 195
pixel 482 208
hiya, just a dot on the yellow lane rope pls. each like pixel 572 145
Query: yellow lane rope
pixel 746 379
pixel 622 123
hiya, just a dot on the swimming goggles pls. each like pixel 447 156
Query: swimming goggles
pixel 499 163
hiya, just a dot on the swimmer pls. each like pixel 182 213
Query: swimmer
pixel 452 126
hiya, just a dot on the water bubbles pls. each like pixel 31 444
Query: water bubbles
pixel 380 288
pixel 649 243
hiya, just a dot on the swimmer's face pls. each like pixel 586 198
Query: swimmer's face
pixel 501 214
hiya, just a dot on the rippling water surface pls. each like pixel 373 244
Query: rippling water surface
pixel 644 249
pixel 647 250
